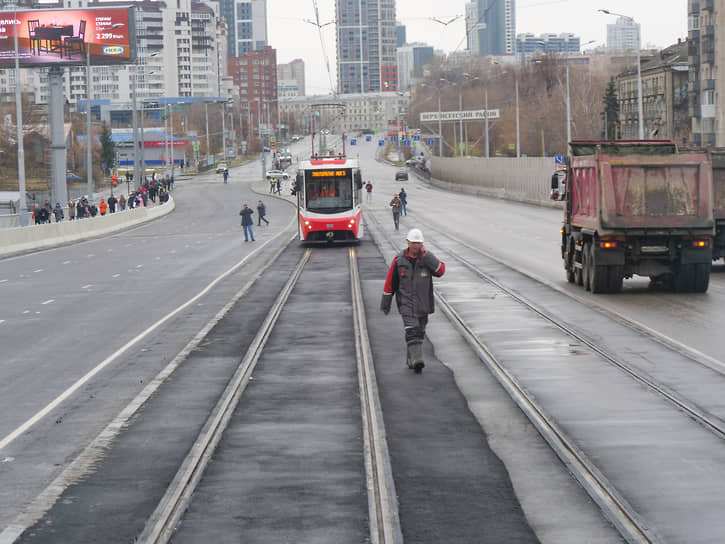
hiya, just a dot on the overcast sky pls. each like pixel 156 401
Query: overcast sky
pixel 662 21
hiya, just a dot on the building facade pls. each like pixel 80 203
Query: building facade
pixel 496 27
pixel 364 112
pixel 529 44
pixel 255 74
pixel 706 81
pixel 664 97
pixel 366 51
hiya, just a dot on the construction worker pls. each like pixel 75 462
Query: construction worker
pixel 410 278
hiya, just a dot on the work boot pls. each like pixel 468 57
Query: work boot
pixel 415 356
pixel 409 357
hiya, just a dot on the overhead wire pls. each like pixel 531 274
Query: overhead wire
pixel 322 44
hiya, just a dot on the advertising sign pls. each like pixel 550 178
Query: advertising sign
pixel 469 115
pixel 59 37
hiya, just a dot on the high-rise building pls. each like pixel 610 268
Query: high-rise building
pixel 366 52
pixel 623 35
pixel 246 24
pixel 496 25
pixel 293 76
pixel 473 25
pixel 400 39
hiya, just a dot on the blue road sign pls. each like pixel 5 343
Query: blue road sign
pixel 393 138
pixel 381 143
pixel 406 143
pixel 431 143
pixel 558 159
pixel 416 138
pixel 353 142
pixel 368 138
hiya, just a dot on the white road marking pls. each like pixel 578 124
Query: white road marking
pixel 8 439
pixel 38 270
pixel 158 258
pixel 115 275
pixel 66 262
pixel 26 312
pixel 139 266
pixel 87 286
pixel 90 255
pixel 3 281
pixel 2 321
pixel 49 301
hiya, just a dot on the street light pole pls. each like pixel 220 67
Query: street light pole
pixel 23 212
pixel 518 142
pixel 89 136
pixel 640 110
pixel 224 131
pixel 485 119
pixel 440 126
pixel 568 104
pixel 206 114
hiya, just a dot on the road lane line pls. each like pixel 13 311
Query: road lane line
pixel 38 270
pixel 40 414
pixel 115 275
pixel 66 262
pixel 49 301
pixel 87 286
pixel 3 281
pixel 2 321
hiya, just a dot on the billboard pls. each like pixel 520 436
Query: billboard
pixel 468 115
pixel 52 37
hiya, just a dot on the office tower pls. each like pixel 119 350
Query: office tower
pixel 411 59
pixel 246 25
pixel 497 27
pixel 366 52
pixel 529 44
pixel 705 55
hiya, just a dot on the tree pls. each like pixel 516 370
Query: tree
pixel 108 155
pixel 611 111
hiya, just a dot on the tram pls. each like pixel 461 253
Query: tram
pixel 329 195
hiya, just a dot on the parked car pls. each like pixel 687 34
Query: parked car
pixel 411 162
pixel 401 175
pixel 221 167
pixel 70 176
pixel 277 174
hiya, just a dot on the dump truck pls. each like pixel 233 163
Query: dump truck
pixel 718 197
pixel 636 208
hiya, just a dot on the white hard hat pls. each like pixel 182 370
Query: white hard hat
pixel 415 236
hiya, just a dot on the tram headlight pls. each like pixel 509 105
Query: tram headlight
pixel 307 222
pixel 352 221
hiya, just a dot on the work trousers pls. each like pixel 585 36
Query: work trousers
pixel 414 329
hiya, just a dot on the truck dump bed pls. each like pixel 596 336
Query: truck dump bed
pixel 616 187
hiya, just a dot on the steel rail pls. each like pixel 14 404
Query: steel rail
pixel 160 526
pixel 382 501
pixel 711 422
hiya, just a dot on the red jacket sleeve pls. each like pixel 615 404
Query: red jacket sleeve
pixel 389 288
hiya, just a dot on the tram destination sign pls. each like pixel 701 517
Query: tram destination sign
pixel 60 37
pixel 466 115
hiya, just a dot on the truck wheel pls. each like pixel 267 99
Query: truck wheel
pixel 683 278
pixel 570 275
pixel 701 277
pixel 586 266
pixel 569 264
pixel 616 275
pixel 598 274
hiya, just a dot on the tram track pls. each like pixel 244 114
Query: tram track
pixel 382 506
pixel 630 523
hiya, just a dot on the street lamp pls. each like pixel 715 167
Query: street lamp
pixel 466 79
pixel 640 111
pixel 23 213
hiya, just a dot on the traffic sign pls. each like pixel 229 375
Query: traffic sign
pixel 416 138
pixel 381 143
pixel 406 143
pixel 368 138
pixel 353 142
pixel 431 143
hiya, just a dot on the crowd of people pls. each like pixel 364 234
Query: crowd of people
pixel 153 190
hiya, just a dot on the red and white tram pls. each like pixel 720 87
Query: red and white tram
pixel 329 195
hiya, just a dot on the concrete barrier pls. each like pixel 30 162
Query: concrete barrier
pixel 20 239
pixel 521 179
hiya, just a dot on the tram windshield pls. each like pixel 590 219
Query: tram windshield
pixel 328 191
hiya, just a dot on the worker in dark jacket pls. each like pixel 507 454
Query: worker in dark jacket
pixel 247 222
pixel 410 278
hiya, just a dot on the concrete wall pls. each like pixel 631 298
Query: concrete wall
pixel 524 179
pixel 17 240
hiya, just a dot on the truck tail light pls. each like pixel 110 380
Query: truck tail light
pixel 701 243
pixel 608 244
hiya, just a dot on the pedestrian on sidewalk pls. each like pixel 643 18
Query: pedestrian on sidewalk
pixel 58 213
pixel 261 212
pixel 246 213
pixel 71 210
pixel 410 279
pixel 404 200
